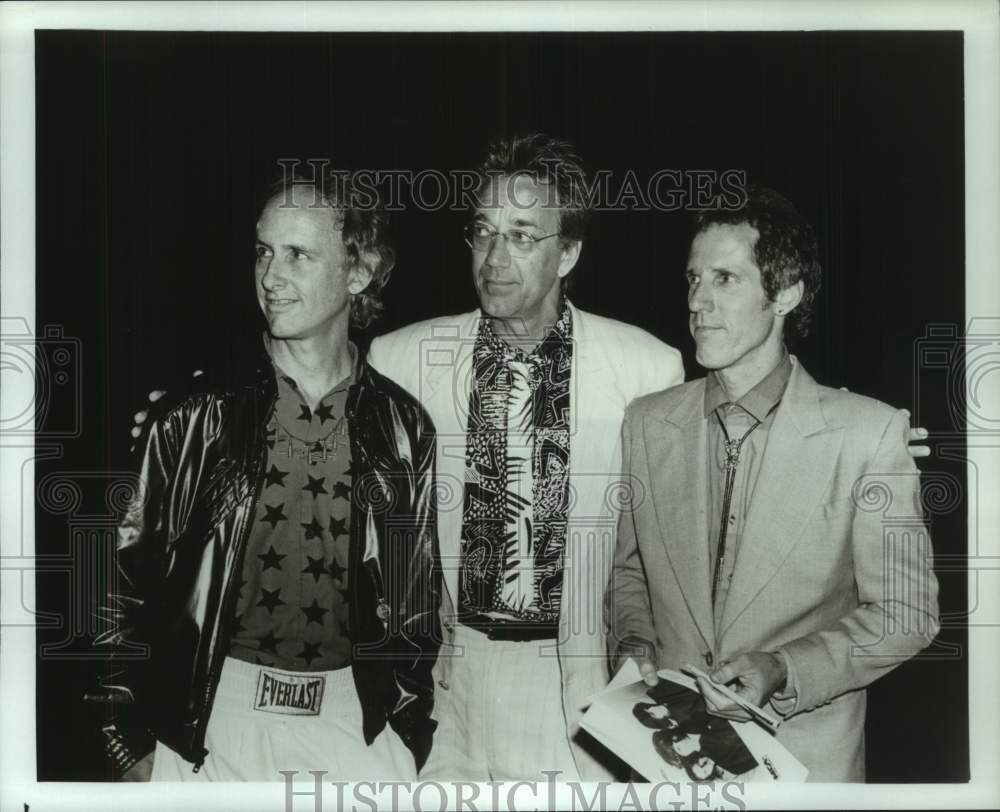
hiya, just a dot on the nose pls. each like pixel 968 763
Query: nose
pixel 273 276
pixel 498 256
pixel 700 297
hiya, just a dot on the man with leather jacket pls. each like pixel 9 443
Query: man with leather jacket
pixel 279 559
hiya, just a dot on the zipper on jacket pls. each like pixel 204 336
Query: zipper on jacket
pixel 356 552
pixel 382 605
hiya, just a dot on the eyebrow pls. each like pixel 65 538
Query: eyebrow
pixel 291 246
pixel 714 269
pixel 520 222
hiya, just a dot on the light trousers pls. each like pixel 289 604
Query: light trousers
pixel 245 744
pixel 501 716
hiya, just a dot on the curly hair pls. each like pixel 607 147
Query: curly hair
pixel 363 225
pixel 786 250
pixel 663 743
pixel 640 710
pixel 545 160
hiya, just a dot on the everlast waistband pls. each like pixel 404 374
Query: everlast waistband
pixel 259 689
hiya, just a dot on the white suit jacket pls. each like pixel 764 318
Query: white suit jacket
pixel 834 566
pixel 612 364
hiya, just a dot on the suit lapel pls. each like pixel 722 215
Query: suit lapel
pixel 446 379
pixel 802 451
pixel 676 455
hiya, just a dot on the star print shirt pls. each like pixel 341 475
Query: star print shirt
pixel 292 607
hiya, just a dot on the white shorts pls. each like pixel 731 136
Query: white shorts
pixel 265 720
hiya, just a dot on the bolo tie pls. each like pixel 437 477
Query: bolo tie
pixel 733 449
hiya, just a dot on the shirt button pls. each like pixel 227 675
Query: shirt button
pixel 709 659
pixel 444 685
pixel 732 519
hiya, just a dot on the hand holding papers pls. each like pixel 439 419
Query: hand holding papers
pixel 761 715
pixel 666 732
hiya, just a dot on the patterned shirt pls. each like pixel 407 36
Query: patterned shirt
pixel 516 480
pixel 293 600
pixel 749 418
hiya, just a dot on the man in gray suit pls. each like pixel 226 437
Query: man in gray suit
pixel 780 541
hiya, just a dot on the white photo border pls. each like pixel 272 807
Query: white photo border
pixel 18 22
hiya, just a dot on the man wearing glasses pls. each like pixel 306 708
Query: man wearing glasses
pixel 528 395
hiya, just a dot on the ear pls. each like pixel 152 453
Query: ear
pixel 788 298
pixel 570 254
pixel 358 278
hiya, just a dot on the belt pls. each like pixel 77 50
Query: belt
pixel 513 632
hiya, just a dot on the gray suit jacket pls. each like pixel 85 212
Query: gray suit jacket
pixel 834 567
pixel 613 363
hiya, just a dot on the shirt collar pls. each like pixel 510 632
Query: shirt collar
pixel 761 399
pixel 557 335
pixel 286 381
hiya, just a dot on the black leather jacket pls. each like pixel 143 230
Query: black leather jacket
pixel 182 541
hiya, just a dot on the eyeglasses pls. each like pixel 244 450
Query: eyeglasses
pixel 480 237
